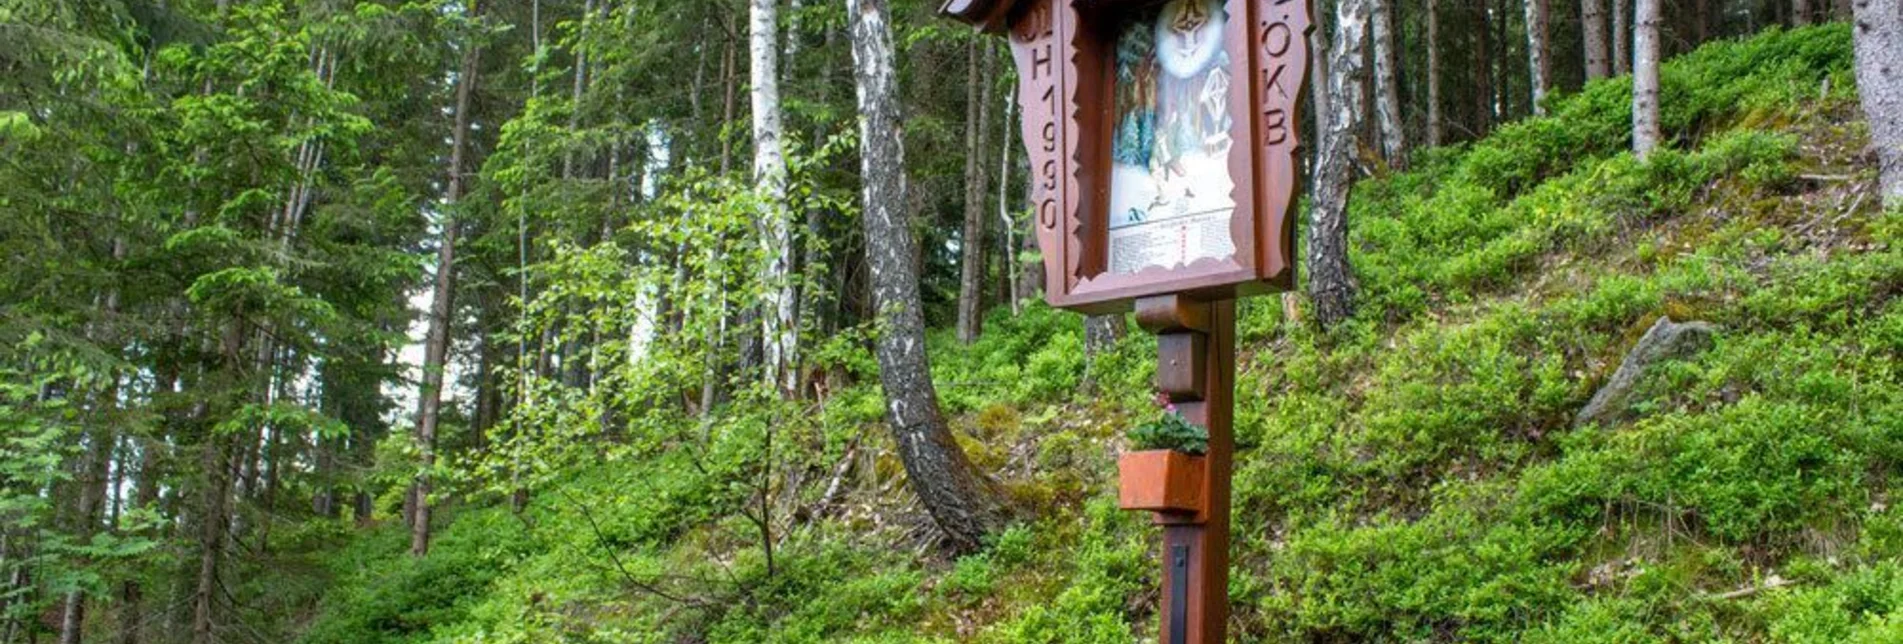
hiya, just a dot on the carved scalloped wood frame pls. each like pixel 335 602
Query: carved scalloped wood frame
pixel 1066 77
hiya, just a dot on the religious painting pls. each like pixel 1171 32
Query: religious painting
pixel 1170 187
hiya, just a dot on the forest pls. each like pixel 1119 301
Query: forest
pixel 362 321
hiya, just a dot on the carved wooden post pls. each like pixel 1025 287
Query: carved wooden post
pixel 1195 368
pixel 1165 160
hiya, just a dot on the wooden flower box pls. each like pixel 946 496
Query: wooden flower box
pixel 1160 481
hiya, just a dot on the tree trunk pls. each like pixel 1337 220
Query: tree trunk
pixel 1645 79
pixel 963 503
pixel 215 461
pixel 1702 21
pixel 1387 91
pixel 1433 74
pixel 1621 38
pixel 1007 248
pixel 971 242
pixel 1800 12
pixel 436 343
pixel 1101 333
pixel 1592 30
pixel 1483 72
pixel 1879 41
pixel 1318 80
pixel 579 85
pixel 1330 280
pixel 779 328
pixel 1537 62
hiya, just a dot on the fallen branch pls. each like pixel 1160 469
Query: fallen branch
pixel 1773 583
pixel 835 485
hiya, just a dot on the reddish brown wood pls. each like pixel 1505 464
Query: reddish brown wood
pixel 1171 313
pixel 1160 481
pixel 1063 50
pixel 1207 532
pixel 1181 371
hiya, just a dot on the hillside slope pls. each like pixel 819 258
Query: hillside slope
pixel 1414 476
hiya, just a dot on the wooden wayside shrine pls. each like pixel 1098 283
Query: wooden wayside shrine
pixel 1162 136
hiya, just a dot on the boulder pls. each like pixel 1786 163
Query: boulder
pixel 1667 340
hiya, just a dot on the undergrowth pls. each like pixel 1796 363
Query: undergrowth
pixel 1411 476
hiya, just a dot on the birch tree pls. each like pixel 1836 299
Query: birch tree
pixel 964 503
pixel 779 328
pixel 1645 79
pixel 1330 280
pixel 1878 29
pixel 1537 62
pixel 1387 91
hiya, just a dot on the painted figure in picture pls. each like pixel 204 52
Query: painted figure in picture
pixel 1171 151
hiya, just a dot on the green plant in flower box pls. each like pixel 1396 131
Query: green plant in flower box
pixel 1172 432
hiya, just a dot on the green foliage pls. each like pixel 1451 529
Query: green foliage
pixel 215 221
pixel 1169 430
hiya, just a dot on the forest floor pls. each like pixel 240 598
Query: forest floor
pixel 1412 476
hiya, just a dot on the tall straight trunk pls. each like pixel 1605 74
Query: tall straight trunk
pixel 215 462
pixel 727 82
pixel 1621 38
pixel 1504 69
pixel 442 303
pixel 1387 91
pixel 1434 116
pixel 963 502
pixel 1007 248
pixel 1537 63
pixel 1592 32
pixel 1702 20
pixel 779 328
pixel 1483 72
pixel 1331 281
pixel 579 85
pixel 1840 10
pixel 1878 30
pixel 971 242
pixel 215 458
pixel 1645 78
pixel 1800 12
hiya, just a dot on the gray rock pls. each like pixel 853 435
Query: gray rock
pixel 1666 340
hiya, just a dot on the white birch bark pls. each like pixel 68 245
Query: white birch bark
pixel 780 329
pixel 1536 52
pixel 1645 79
pixel 1330 280
pixel 1387 91
pixel 1878 29
pixel 962 502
